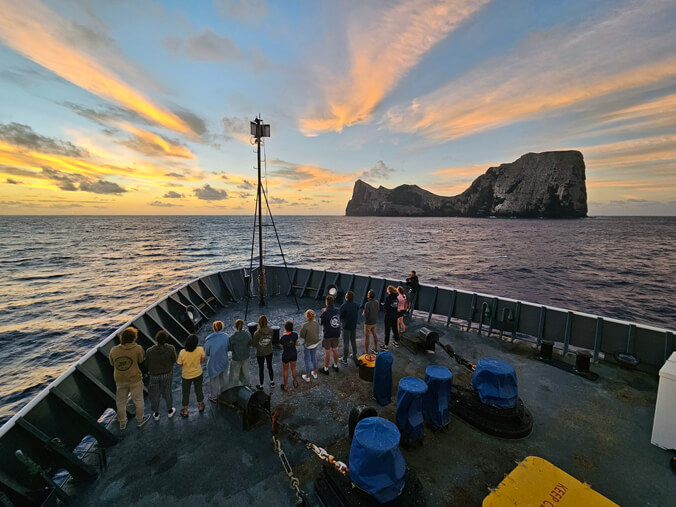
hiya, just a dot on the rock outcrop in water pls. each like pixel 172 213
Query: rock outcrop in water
pixel 549 184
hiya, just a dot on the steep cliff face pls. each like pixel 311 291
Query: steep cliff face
pixel 549 184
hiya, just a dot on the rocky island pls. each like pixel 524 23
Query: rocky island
pixel 548 185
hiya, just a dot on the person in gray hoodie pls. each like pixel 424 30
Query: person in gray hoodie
pixel 309 334
pixel 262 340
pixel 370 313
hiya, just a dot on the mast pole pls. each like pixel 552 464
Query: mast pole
pixel 261 272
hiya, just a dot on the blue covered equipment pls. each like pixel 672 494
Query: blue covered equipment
pixel 382 378
pixel 439 381
pixel 495 381
pixel 409 409
pixel 376 463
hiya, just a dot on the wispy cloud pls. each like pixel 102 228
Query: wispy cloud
pixel 379 171
pixel 52 163
pixel 553 70
pixel 307 176
pixel 383 47
pixel 173 195
pixel 161 204
pixel 246 10
pixel 152 144
pixel 41 35
pixel 206 46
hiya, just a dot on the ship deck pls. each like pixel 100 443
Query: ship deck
pixel 598 432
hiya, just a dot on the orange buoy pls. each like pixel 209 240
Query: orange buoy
pixel 367 363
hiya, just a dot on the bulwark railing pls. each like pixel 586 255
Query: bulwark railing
pixel 49 430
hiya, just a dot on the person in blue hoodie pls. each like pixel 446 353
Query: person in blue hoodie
pixel 330 322
pixel 349 315
pixel 216 349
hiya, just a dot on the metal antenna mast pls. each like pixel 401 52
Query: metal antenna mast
pixel 260 130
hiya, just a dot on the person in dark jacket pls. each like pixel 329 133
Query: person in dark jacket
pixel 391 314
pixel 160 360
pixel 349 315
pixel 413 286
pixel 262 341
pixel 330 322
pixel 370 313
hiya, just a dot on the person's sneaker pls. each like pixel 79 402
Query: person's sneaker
pixel 374 351
pixel 384 347
pixel 171 413
pixel 305 377
pixel 146 418
pixel 156 416
pixel 259 387
pixel 272 383
pixel 430 352
pixel 123 425
pixel 314 375
pixel 335 368
pixel 325 370
pixel 343 360
pixel 396 344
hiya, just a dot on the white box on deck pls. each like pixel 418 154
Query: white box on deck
pixel 664 426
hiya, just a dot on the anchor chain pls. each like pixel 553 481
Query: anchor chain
pixel 458 358
pixel 323 454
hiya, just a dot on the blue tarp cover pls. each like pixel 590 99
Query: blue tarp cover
pixel 382 378
pixel 376 463
pixel 435 401
pixel 495 382
pixel 409 408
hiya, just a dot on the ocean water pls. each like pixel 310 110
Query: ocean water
pixel 67 282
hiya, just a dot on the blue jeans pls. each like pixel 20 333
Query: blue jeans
pixel 310 357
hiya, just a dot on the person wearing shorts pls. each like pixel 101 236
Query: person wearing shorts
pixel 370 313
pixel 330 322
pixel 288 343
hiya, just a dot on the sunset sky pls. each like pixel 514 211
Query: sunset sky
pixel 140 107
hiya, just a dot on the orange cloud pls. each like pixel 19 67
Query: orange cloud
pixel 383 47
pixel 152 144
pixel 37 32
pixel 650 150
pixel 550 72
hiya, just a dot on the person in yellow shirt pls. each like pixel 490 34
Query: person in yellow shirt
pixel 191 359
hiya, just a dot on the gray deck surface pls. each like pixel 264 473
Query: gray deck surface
pixel 598 432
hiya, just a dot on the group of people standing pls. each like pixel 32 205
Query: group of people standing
pixel 225 371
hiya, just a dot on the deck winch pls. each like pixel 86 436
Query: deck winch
pixel 493 406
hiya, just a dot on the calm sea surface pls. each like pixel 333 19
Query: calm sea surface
pixel 67 282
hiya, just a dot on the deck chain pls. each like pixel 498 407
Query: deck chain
pixel 293 480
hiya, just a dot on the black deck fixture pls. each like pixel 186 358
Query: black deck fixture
pixel 336 490
pixel 515 422
pixel 252 405
pixel 582 361
pixel 357 414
